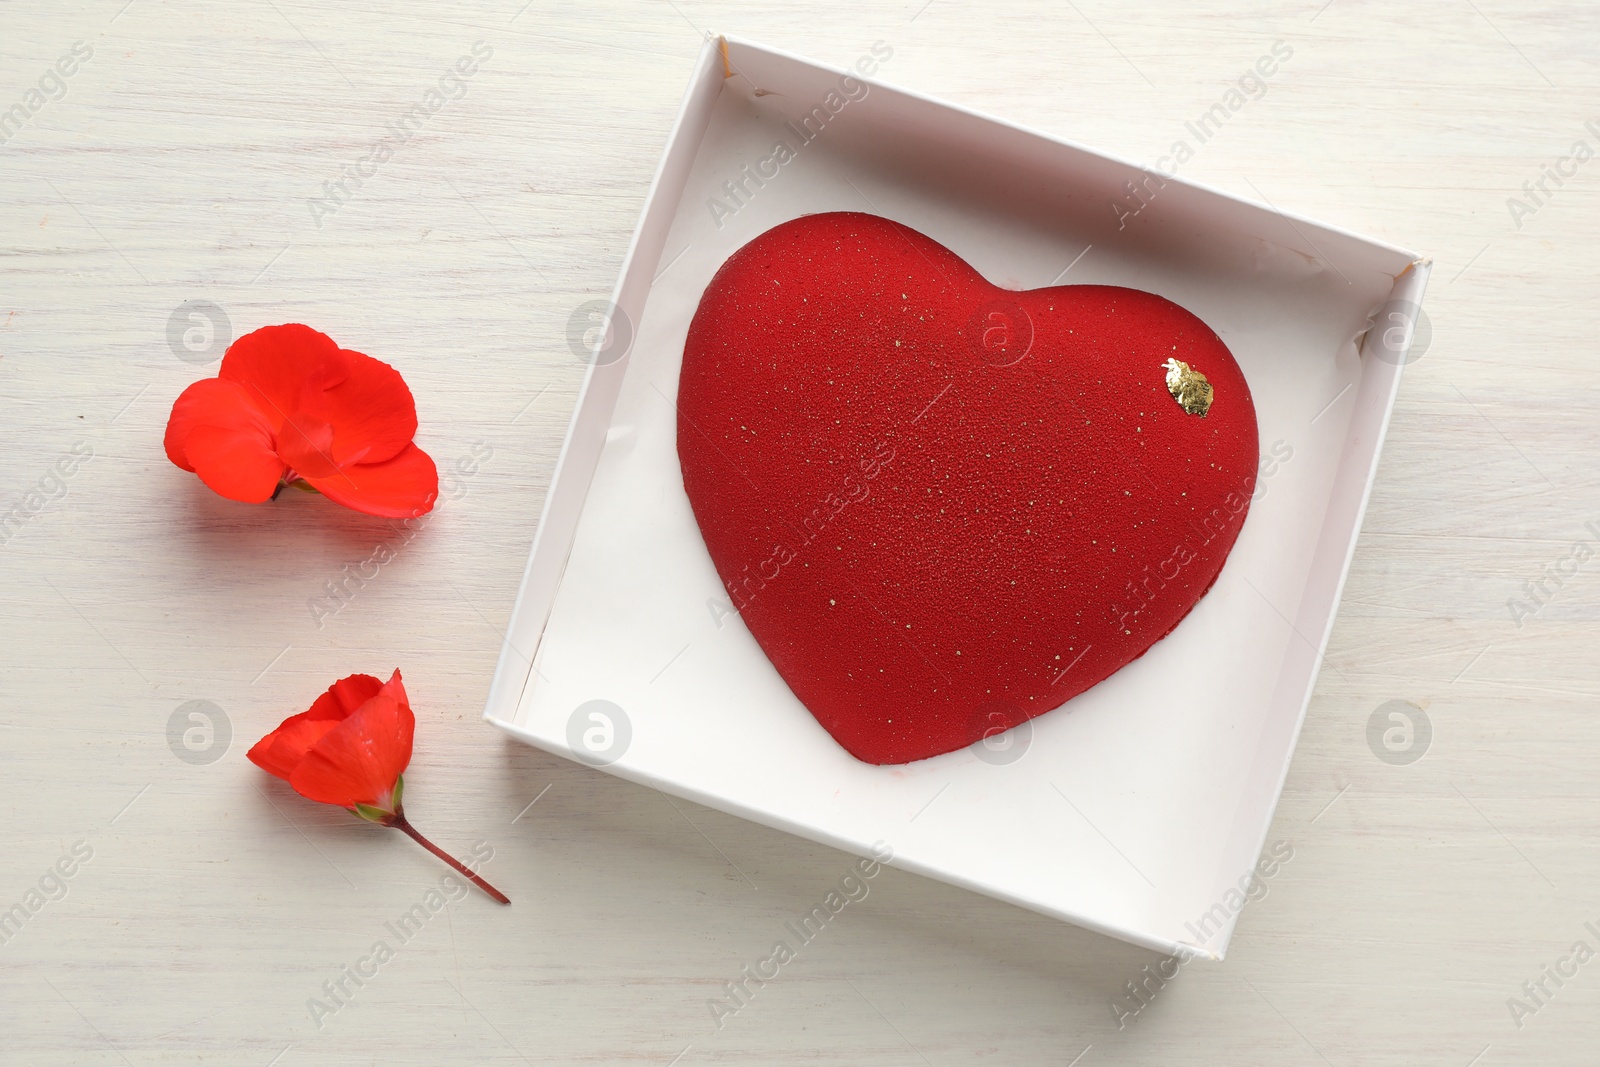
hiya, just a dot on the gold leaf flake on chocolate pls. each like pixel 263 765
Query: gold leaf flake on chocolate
pixel 1188 387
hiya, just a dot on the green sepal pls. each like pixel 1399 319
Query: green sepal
pixel 372 814
pixel 399 787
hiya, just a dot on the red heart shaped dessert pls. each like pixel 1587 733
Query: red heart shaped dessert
pixel 942 507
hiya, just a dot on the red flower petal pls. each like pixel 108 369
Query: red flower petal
pixel 280 363
pixel 306 380
pixel 371 410
pixel 358 761
pixel 306 445
pixel 236 463
pixel 210 402
pixel 401 488
pixel 281 751
pixel 347 694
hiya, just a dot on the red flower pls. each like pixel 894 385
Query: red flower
pixel 350 749
pixel 290 407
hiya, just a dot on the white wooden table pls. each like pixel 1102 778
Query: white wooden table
pixel 179 165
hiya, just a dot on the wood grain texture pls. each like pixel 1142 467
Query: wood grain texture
pixel 178 166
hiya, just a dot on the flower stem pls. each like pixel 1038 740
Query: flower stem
pixel 410 831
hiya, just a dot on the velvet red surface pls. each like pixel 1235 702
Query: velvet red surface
pixel 943 508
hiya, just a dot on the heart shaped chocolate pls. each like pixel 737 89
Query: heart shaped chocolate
pixel 942 507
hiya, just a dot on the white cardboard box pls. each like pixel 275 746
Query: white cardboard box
pixel 1137 808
